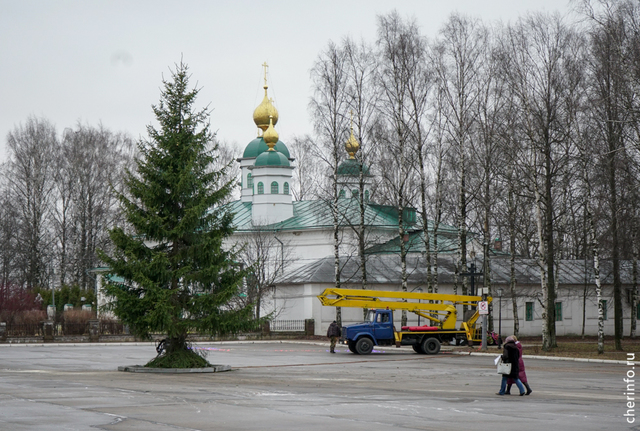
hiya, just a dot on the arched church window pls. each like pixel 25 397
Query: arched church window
pixel 260 188
pixel 249 181
pixel 274 188
pixel 341 195
pixel 285 189
pixel 355 193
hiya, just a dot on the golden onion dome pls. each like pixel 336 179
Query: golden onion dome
pixel 352 146
pixel 270 135
pixel 264 111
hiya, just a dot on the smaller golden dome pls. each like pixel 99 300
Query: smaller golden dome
pixel 270 135
pixel 352 146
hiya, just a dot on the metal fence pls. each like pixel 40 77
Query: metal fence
pixel 61 328
pixel 287 325
pixel 115 327
pixel 24 330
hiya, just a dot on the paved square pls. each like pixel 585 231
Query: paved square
pixel 300 386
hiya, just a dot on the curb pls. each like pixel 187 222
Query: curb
pixel 548 358
pixel 141 369
pixel 153 343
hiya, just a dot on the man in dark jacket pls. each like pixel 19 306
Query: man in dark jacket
pixel 333 333
pixel 510 355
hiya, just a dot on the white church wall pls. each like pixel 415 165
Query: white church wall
pixel 571 299
pixel 302 303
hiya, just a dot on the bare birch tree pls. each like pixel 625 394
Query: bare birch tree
pixel 545 54
pixel 31 147
pixel 328 106
pixel 459 56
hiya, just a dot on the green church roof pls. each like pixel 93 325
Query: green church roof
pixel 272 158
pixel 351 167
pixel 316 214
pixel 258 146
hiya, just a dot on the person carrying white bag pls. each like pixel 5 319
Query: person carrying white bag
pixel 510 356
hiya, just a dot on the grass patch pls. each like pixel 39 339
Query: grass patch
pixel 182 358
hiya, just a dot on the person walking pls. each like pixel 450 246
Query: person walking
pixel 510 355
pixel 521 373
pixel 333 333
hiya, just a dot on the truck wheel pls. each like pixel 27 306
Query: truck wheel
pixel 431 346
pixel 352 347
pixel 364 346
pixel 418 348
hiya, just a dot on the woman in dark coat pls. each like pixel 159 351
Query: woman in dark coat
pixel 511 355
pixel 521 373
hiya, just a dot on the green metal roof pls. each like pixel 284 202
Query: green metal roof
pixel 272 158
pixel 447 243
pixel 351 167
pixel 258 146
pixel 317 214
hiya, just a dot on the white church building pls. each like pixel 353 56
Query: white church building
pixel 307 229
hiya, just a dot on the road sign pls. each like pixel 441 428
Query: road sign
pixel 483 307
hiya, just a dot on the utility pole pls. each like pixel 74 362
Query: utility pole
pixel 484 295
pixel 472 274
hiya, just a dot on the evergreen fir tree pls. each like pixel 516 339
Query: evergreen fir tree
pixel 178 278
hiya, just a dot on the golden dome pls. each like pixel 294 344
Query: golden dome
pixel 265 110
pixel 352 146
pixel 270 135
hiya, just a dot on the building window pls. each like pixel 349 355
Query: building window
pixel 285 188
pixel 274 188
pixel 558 311
pixel 260 188
pixel 529 311
pixel 341 195
pixel 355 193
pixel 366 195
pixel 249 181
pixel 604 308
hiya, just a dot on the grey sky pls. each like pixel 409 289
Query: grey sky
pixel 103 61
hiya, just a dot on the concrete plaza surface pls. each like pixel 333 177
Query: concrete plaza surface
pixel 300 386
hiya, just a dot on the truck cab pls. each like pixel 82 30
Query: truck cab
pixel 376 330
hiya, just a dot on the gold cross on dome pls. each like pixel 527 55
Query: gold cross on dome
pixel 265 65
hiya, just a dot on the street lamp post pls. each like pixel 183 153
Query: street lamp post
pixel 499 292
pixel 419 291
pixel 472 273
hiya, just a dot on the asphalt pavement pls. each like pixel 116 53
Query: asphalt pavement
pixel 289 386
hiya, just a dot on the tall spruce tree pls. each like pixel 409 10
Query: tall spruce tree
pixel 178 277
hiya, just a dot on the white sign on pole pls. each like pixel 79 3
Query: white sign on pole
pixel 483 307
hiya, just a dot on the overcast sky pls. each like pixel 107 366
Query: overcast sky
pixel 103 60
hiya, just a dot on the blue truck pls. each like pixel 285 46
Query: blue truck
pixel 378 329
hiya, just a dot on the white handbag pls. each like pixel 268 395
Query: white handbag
pixel 504 368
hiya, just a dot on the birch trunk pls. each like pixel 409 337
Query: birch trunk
pixel 596 274
pixel 542 250
pixel 512 260
pixel 634 289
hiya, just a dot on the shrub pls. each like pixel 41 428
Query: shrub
pixel 76 322
pixel 26 323
pixel 15 300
